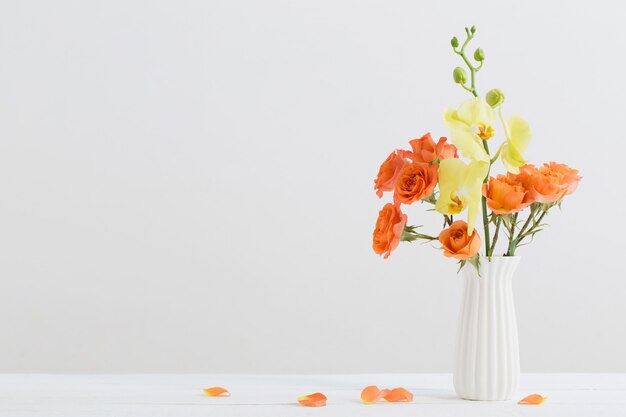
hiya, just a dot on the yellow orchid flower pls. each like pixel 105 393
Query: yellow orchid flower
pixel 518 138
pixel 470 125
pixel 460 187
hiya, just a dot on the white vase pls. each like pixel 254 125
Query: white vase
pixel 487 352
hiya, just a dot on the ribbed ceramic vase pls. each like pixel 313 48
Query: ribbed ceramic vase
pixel 487 352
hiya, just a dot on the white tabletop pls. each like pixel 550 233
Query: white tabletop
pixel 571 395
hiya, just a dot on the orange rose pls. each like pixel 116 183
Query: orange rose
pixel 388 231
pixel 449 151
pixel 388 174
pixel 505 194
pixel 568 176
pixel 425 150
pixel 550 182
pixel 415 182
pixel 457 244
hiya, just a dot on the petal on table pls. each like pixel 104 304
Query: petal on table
pixel 534 399
pixel 371 394
pixel 398 395
pixel 313 400
pixel 216 392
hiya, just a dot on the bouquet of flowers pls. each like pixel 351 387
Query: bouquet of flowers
pixel 514 203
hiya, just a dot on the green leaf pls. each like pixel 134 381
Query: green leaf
pixel 410 234
pixel 461 265
pixel 430 199
pixel 507 219
pixel 476 262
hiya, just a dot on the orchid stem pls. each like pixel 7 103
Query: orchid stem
pixel 484 207
pixel 461 52
pixel 497 155
pixel 473 70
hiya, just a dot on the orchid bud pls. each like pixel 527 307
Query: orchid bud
pixel 459 75
pixel 454 42
pixel 479 55
pixel 494 97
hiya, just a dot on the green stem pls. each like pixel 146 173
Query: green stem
pixel 495 235
pixel 536 223
pixel 426 237
pixel 512 242
pixel 467 89
pixel 410 235
pixel 531 216
pixel 473 70
pixel 495 157
pixel 486 225
pixel 484 206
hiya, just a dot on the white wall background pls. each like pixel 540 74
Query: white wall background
pixel 187 186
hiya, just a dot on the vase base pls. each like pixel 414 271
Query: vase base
pixel 484 399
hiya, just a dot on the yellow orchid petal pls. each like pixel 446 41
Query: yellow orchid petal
pixel 519 139
pixel 476 110
pixel 451 176
pixel 469 144
pixel 477 171
pixel 466 124
pixel 460 187
pixel 520 132
pixel 511 158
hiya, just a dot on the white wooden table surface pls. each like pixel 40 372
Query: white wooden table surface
pixel 569 395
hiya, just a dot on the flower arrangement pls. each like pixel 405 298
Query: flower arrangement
pixel 514 203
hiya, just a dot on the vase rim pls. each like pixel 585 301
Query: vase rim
pixel 503 257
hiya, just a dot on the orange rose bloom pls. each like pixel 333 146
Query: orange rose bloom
pixel 567 175
pixel 415 182
pixel 506 194
pixel 448 151
pixel 550 182
pixel 388 231
pixel 425 150
pixel 457 244
pixel 388 173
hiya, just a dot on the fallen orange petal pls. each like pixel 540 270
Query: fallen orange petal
pixel 371 394
pixel 216 392
pixel 398 395
pixel 313 400
pixel 534 399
